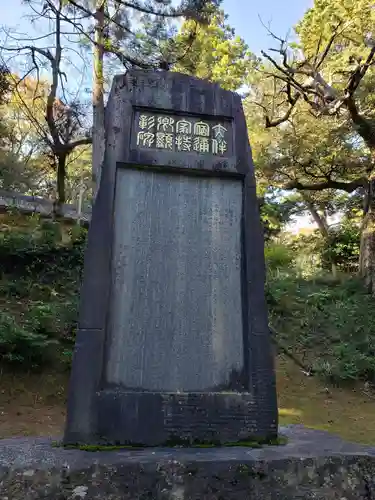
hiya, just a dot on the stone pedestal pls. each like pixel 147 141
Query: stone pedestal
pixel 168 418
pixel 313 465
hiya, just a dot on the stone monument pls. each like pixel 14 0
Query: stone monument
pixel 173 343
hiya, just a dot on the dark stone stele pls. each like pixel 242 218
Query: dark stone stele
pixel 173 342
pixel 313 465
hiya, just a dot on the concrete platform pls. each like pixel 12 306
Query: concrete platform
pixel 313 465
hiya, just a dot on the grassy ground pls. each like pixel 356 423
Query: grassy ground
pixel 350 413
pixel 35 405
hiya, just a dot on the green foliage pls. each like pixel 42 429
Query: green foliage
pixel 275 214
pixel 314 252
pixel 329 323
pixel 278 257
pixel 21 346
pixel 321 90
pixel 39 291
pixel 212 52
pixel 342 247
pixel 307 251
pixel 4 83
pixel 320 154
pixel 352 42
pixel 140 34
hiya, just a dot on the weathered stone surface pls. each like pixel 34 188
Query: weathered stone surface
pixel 173 339
pixel 313 465
pixel 176 282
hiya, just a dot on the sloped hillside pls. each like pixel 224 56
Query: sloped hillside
pixel 327 324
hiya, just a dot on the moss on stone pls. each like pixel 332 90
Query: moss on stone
pixel 98 447
pixel 176 443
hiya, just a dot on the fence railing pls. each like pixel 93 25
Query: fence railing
pixel 42 206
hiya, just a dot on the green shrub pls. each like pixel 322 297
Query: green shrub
pixel 278 257
pixel 39 286
pixel 307 249
pixel 342 247
pixel 327 322
pixel 21 347
pixel 313 252
pixel 44 333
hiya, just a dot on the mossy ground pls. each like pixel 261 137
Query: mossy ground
pixel 34 405
pixel 349 413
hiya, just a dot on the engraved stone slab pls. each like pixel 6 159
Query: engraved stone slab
pixel 173 339
pixel 183 134
pixel 176 316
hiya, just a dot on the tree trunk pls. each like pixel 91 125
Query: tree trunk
pixel 322 224
pixel 367 247
pixel 98 97
pixel 61 174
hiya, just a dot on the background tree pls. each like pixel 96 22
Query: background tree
pixel 135 33
pixel 62 128
pixel 4 83
pixel 330 75
pixel 215 54
pixel 16 157
pixel 276 212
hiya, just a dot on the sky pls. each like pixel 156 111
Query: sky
pixel 246 16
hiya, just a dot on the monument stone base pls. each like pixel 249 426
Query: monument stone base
pixel 313 465
pixel 172 298
pixel 158 419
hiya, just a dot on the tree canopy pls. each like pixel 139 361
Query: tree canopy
pixel 214 53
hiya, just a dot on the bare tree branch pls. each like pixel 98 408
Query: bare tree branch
pixel 306 80
pixel 349 187
pixel 172 12
pixel 62 124
pixel 325 52
pixel 358 74
pixel 292 100
pixel 79 142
